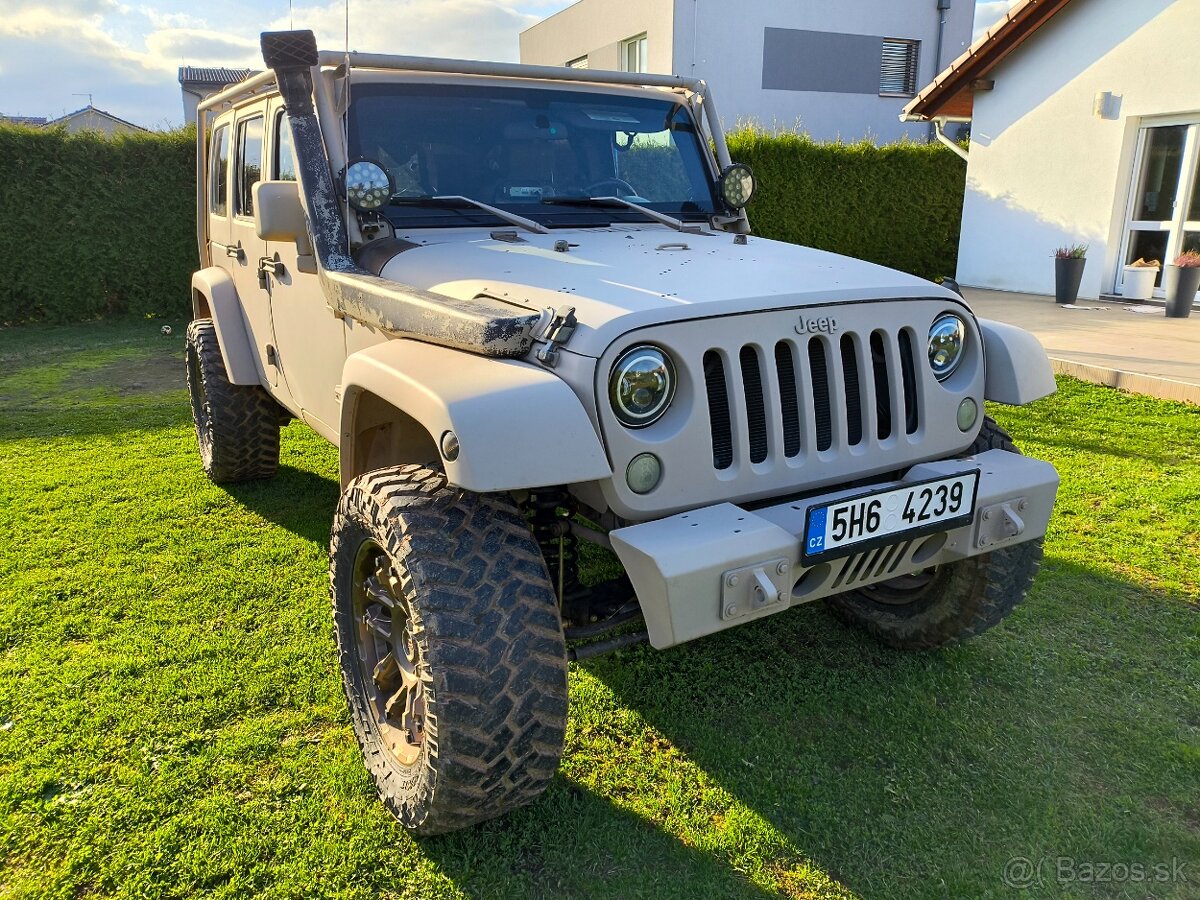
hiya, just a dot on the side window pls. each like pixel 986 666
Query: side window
pixel 285 163
pixel 247 165
pixel 218 172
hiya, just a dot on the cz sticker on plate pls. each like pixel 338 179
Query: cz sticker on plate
pixel 883 517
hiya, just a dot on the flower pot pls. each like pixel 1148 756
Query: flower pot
pixel 1139 282
pixel 1068 272
pixel 1180 284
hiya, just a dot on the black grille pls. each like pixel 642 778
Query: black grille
pixel 820 387
pixel 883 398
pixel 756 413
pixel 718 410
pixel 854 426
pixel 785 371
pixel 870 367
pixel 908 367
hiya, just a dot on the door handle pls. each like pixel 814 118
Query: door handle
pixel 233 250
pixel 268 265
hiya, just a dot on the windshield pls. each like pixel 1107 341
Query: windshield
pixel 514 147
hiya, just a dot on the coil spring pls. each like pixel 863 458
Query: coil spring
pixel 550 511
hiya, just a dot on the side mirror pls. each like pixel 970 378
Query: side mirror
pixel 736 185
pixel 278 215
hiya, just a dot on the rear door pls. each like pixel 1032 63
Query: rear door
pixel 246 250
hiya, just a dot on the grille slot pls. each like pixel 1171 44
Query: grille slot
pixel 820 390
pixel 789 403
pixel 854 426
pixel 883 397
pixel 756 413
pixel 909 370
pixel 792 411
pixel 718 410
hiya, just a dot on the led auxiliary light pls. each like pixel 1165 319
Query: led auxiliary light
pixel 368 185
pixel 736 185
pixel 947 336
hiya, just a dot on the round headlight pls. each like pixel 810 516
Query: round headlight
pixel 947 335
pixel 368 185
pixel 737 185
pixel 641 385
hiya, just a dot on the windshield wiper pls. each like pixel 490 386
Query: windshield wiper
pixel 453 200
pixel 663 218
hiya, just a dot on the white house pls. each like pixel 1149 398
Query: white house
pixel 1085 128
pixel 838 69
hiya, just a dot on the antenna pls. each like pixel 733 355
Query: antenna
pixel 89 96
pixel 291 24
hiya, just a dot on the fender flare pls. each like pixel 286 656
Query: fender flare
pixel 518 425
pixel 1018 370
pixel 213 288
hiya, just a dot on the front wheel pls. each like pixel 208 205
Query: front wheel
pixel 947 604
pixel 451 648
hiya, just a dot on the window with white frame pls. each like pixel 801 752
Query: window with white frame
pixel 633 54
pixel 580 62
pixel 898 67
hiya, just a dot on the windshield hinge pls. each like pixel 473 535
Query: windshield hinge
pixel 557 330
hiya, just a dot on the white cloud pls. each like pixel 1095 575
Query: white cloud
pixel 127 56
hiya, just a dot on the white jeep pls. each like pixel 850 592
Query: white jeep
pixel 526 305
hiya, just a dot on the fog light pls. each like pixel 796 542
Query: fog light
pixel 968 412
pixel 643 473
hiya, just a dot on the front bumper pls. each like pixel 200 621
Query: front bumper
pixel 719 566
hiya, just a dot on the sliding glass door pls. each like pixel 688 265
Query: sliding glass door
pixel 1164 209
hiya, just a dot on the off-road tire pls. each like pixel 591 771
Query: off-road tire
pixel 953 602
pixel 487 645
pixel 237 426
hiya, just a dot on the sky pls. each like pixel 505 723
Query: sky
pixel 127 54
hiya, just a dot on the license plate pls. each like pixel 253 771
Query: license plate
pixel 881 517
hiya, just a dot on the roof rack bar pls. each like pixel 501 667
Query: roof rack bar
pixel 508 70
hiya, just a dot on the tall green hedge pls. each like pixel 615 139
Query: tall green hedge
pixel 898 205
pixel 93 226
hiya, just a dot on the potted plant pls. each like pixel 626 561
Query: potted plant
pixel 1140 276
pixel 1180 281
pixel 1068 272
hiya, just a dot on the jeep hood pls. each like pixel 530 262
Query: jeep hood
pixel 625 277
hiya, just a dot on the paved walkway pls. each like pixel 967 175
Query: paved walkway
pixel 1145 353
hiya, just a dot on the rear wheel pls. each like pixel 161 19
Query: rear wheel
pixel 451 648
pixel 237 426
pixel 946 604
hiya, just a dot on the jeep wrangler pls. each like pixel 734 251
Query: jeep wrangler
pixel 526 305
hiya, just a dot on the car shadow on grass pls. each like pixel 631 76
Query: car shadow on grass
pixel 301 501
pixel 1069 733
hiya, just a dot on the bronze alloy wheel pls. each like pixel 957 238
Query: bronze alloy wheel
pixel 388 654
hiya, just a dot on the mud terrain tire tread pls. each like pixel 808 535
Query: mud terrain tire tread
pixel 237 426
pixel 964 599
pixel 493 658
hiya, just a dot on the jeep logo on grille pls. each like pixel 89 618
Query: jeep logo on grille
pixel 827 324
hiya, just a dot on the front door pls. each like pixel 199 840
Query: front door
pixel 310 340
pixel 1164 209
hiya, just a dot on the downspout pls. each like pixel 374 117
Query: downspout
pixel 942 6
pixel 938 125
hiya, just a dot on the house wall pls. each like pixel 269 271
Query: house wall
pixel 596 28
pixel 93 120
pixel 1044 171
pixel 724 44
pixel 826 86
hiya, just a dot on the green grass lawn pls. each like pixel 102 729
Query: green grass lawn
pixel 172 721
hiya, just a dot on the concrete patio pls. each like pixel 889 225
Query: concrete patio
pixel 1144 353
